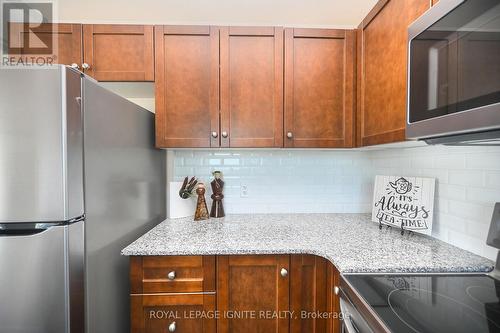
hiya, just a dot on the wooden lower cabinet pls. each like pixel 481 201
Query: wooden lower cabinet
pixel 332 300
pixel 308 297
pixel 180 313
pixel 257 286
pixel 252 293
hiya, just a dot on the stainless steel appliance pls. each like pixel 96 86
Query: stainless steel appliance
pixel 424 303
pixel 454 73
pixel 80 179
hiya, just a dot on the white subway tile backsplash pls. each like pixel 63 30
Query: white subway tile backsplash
pixel 334 181
pixel 466 177
pixel 492 179
pixel 448 191
pixel 483 161
pixel 485 195
pixel 448 161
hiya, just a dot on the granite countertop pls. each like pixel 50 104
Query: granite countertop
pixel 351 242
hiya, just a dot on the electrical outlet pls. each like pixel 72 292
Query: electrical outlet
pixel 244 191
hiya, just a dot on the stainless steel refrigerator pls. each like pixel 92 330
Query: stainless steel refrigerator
pixel 79 180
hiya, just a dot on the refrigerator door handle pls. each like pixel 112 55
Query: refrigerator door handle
pixel 20 232
pixel 33 228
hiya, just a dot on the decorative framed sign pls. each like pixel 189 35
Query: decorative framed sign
pixel 404 202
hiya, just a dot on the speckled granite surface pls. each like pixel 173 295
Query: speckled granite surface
pixel 350 241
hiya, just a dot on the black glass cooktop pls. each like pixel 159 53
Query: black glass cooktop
pixel 432 303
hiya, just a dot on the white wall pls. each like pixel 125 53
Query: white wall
pixel 468 185
pixel 141 93
pixel 332 181
pixel 299 13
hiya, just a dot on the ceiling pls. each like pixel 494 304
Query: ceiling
pixel 297 13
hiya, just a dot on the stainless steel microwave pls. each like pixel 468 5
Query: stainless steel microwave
pixel 454 73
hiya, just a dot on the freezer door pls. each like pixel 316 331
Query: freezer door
pixel 33 281
pixel 40 144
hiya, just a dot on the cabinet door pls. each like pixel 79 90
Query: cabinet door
pixel 332 302
pixel 251 87
pixel 187 86
pixel 382 77
pixel 46 44
pixel 308 294
pixel 119 52
pixel 180 313
pixel 253 286
pixel 319 88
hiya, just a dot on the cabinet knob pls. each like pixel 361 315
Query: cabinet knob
pixel 224 134
pixel 336 290
pixel 85 66
pixel 284 272
pixel 172 327
pixel 214 134
pixel 171 275
pixel 289 135
pixel 74 65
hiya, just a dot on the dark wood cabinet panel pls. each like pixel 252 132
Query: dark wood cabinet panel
pixel 187 86
pixel 253 283
pixel 48 43
pixel 382 71
pixel 251 92
pixel 333 301
pixel 319 88
pixel 119 52
pixel 308 294
pixel 173 313
pixel 167 274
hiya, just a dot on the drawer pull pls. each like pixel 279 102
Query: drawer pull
pixel 172 327
pixel 171 275
pixel 284 272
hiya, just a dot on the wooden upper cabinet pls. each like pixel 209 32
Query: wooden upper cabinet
pixel 187 86
pixel 251 91
pixel 319 88
pixel 382 70
pixel 119 52
pixel 47 43
pixel 308 281
pixel 254 284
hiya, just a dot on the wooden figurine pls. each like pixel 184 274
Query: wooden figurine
pixel 187 188
pixel 217 186
pixel 201 212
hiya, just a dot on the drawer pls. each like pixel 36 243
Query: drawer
pixel 172 274
pixel 180 313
